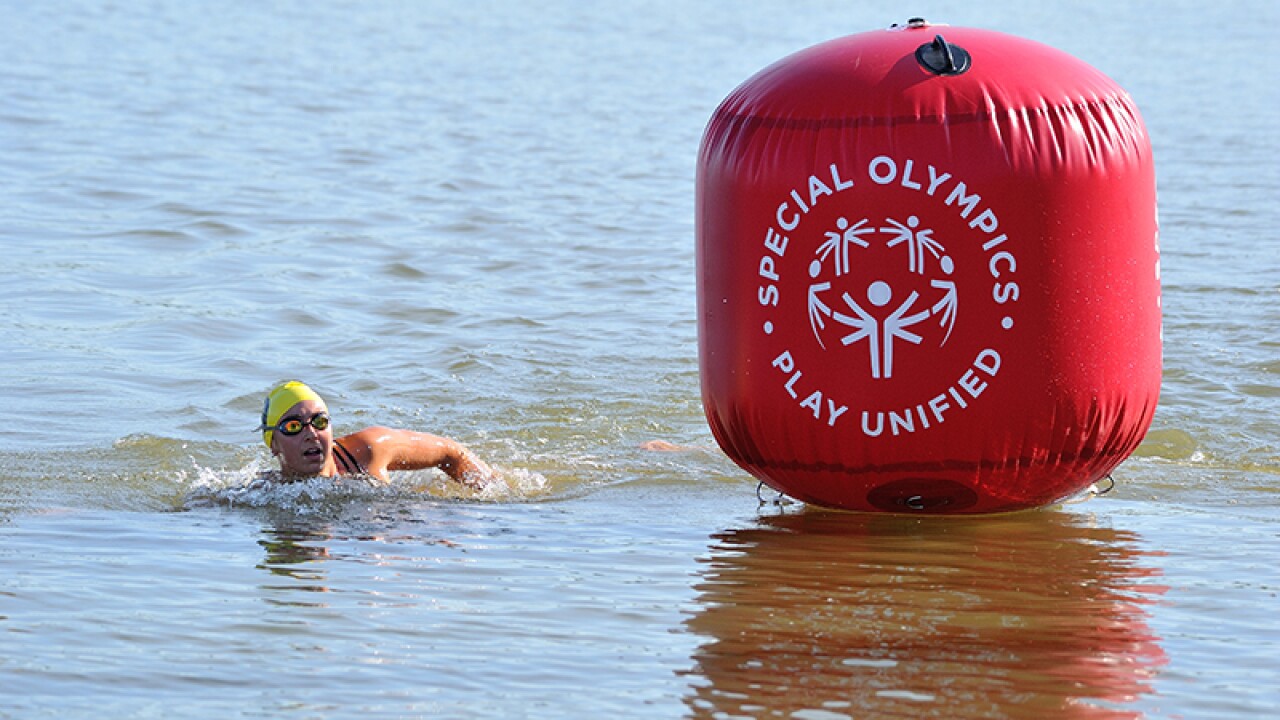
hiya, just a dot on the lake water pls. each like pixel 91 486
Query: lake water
pixel 477 219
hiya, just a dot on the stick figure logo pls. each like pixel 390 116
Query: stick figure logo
pixel 879 310
pixel 886 272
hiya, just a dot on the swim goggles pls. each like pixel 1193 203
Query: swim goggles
pixel 293 426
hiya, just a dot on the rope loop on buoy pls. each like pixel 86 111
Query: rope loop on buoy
pixel 780 501
pixel 1093 491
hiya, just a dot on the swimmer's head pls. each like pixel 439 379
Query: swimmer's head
pixel 278 402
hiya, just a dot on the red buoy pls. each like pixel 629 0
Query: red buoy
pixel 928 273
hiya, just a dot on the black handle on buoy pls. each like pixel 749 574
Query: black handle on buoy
pixel 942 58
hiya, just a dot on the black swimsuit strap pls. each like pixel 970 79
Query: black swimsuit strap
pixel 350 465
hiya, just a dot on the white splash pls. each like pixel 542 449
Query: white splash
pixel 259 486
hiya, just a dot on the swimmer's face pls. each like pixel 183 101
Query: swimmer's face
pixel 307 453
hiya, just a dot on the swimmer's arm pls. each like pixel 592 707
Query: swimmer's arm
pixel 391 449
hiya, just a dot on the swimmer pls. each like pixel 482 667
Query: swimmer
pixel 295 425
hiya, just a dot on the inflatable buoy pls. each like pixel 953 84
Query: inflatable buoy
pixel 928 273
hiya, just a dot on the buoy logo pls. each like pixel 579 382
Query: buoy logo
pixel 876 316
pixel 884 275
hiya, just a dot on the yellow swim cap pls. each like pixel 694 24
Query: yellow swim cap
pixel 279 401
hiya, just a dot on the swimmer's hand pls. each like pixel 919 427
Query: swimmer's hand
pixel 661 446
pixel 470 470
